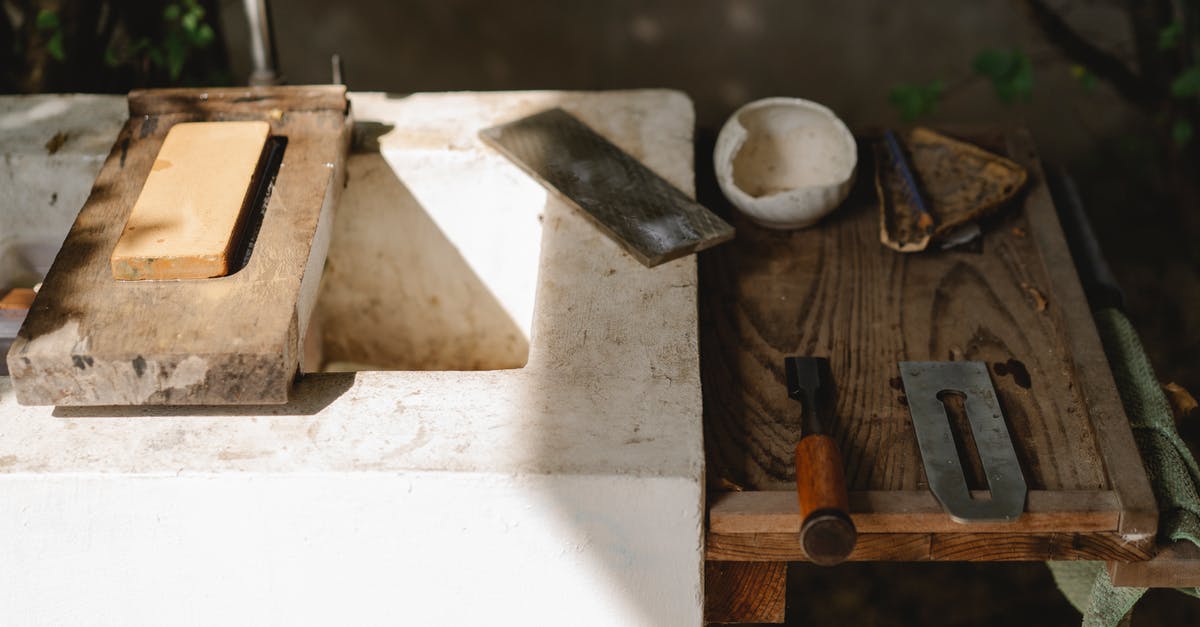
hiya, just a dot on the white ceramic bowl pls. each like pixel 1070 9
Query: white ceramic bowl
pixel 785 162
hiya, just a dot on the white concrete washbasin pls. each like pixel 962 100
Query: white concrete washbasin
pixel 518 439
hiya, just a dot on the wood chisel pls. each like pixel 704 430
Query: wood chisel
pixel 827 533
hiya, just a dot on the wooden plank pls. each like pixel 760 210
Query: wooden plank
pixel 785 547
pixel 1014 547
pixel 276 101
pixel 1176 565
pixel 943 547
pixel 185 222
pixel 744 592
pixel 834 291
pixel 914 511
pixel 93 340
pixel 1107 422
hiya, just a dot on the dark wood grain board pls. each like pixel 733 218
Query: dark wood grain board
pixel 745 592
pixel 1010 299
pixel 93 340
pixel 938 547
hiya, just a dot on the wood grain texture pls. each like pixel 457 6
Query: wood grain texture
pixel 185 222
pixel 275 101
pixel 820 483
pixel 834 291
pixel 785 547
pixel 745 592
pixel 1107 421
pixel 92 340
pixel 942 547
pixel 1175 565
pixel 914 511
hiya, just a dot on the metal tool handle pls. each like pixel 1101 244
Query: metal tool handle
pixel 827 533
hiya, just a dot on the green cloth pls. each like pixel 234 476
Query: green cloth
pixel 1174 475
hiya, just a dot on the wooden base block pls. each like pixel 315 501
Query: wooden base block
pixel 234 340
pixel 745 592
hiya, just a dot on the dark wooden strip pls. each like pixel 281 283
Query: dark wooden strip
pixel 1176 565
pixel 914 511
pixel 942 547
pixel 996 547
pixel 745 592
pixel 771 547
pixel 238 100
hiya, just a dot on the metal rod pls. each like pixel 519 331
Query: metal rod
pixel 262 43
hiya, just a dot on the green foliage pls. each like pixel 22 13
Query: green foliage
pixel 1085 77
pixel 47 23
pixel 1187 84
pixel 1169 37
pixel 1182 132
pixel 185 31
pixel 914 101
pixel 1010 71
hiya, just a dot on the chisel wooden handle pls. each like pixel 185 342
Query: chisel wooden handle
pixel 827 534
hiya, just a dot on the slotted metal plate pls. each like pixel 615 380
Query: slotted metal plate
pixel 646 215
pixel 925 383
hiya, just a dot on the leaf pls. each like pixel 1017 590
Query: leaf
pixel 914 101
pixel 993 63
pixel 47 20
pixel 1186 84
pixel 203 36
pixel 190 21
pixel 176 55
pixel 1181 132
pixel 1010 71
pixel 1168 37
pixel 55 47
pixel 112 58
pixel 1085 78
pixel 172 12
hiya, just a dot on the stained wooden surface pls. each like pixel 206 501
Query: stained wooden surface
pixel 186 220
pixel 914 510
pixel 744 592
pixel 93 340
pixel 1010 299
pixel 1175 565
pixel 938 547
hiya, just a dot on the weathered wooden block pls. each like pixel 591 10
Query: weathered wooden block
pixel 91 339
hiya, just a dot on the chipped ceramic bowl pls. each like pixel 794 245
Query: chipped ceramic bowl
pixel 785 162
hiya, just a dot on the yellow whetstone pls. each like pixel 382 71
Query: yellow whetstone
pixel 185 222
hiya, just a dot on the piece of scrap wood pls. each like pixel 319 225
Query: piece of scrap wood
pixel 186 220
pixel 19 298
pixel 1183 404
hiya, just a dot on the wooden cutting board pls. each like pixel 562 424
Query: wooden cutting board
pixel 1012 299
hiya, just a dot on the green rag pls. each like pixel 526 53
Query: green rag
pixel 1174 475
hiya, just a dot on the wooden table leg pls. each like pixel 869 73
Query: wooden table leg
pixel 744 592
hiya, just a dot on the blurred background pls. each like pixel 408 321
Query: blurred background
pixel 1109 88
